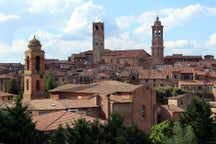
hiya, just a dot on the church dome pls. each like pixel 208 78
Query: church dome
pixel 34 43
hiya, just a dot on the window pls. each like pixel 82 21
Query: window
pixel 124 106
pixel 167 77
pixel 159 33
pixel 27 84
pixel 143 112
pixel 38 85
pixel 96 28
pixel 37 63
pixel 27 63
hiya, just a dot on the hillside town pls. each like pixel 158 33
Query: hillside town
pixel 95 83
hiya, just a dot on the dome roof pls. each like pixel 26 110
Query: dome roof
pixel 157 21
pixel 34 43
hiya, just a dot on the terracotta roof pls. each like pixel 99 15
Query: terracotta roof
pixel 181 96
pixel 102 87
pixel 169 70
pixel 51 121
pixel 88 72
pixel 125 74
pixel 194 82
pixel 5 94
pixel 182 56
pixel 43 104
pixel 79 103
pixel 199 72
pixel 150 74
pixel 108 87
pixel 173 108
pixel 101 75
pixel 55 73
pixel 7 76
pixel 124 53
pixel 59 104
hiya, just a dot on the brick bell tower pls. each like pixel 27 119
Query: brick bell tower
pixel 34 73
pixel 157 40
pixel 98 41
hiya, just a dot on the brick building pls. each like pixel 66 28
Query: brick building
pixel 181 58
pixel 136 102
pixel 175 107
pixel 139 57
pixel 34 73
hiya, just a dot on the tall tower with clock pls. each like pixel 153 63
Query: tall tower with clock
pixel 98 41
pixel 34 73
pixel 157 40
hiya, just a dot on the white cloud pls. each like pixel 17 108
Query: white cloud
pixel 124 22
pixel 174 17
pixel 13 52
pixel 212 40
pixel 82 17
pixel 4 17
pixel 52 6
pixel 185 47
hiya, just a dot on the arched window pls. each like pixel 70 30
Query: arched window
pixel 37 85
pixel 96 28
pixel 27 84
pixel 27 63
pixel 143 112
pixel 37 63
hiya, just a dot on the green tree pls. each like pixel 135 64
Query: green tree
pixel 97 132
pixel 177 91
pixel 181 135
pixel 12 86
pixel 114 130
pixel 80 133
pixel 162 131
pixel 58 137
pixel 134 135
pixel 198 116
pixel 117 133
pixel 16 125
pixel 163 93
pixel 93 132
pixel 50 84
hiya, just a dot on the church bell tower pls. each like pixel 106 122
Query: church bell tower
pixel 34 73
pixel 157 40
pixel 98 41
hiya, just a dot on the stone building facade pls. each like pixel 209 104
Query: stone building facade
pixel 98 41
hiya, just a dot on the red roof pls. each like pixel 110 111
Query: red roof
pixel 51 121
pixel 125 53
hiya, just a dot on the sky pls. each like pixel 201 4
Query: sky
pixel 64 27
